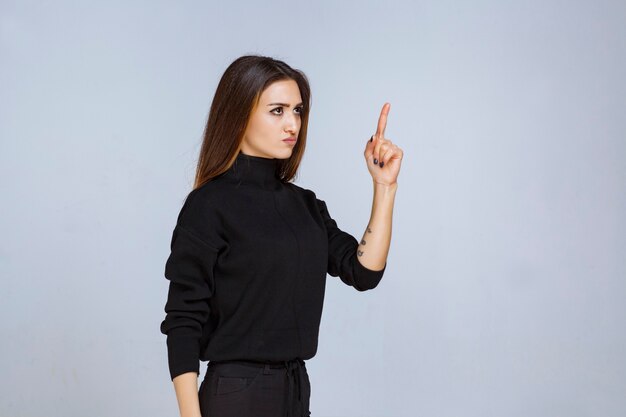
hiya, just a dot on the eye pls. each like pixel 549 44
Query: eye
pixel 277 108
pixel 300 109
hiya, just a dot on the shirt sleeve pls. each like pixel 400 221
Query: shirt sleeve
pixel 189 269
pixel 342 259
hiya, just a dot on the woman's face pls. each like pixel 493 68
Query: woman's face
pixel 276 118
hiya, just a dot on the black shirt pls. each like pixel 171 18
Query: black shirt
pixel 247 269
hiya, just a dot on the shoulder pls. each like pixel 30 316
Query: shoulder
pixel 309 196
pixel 200 215
pixel 208 195
pixel 305 192
pixel 201 203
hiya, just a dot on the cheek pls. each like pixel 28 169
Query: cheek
pixel 267 121
pixel 263 126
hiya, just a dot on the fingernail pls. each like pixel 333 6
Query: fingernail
pixel 375 161
pixel 381 164
pixel 371 138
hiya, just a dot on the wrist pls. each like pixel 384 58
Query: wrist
pixel 385 186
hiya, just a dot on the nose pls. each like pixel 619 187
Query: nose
pixel 291 124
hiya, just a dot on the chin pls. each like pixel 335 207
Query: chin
pixel 282 154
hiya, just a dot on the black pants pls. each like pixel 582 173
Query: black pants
pixel 255 389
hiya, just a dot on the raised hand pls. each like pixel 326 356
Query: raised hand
pixel 383 157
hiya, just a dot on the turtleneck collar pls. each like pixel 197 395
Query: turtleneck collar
pixel 255 170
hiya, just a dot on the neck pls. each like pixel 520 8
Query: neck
pixel 255 170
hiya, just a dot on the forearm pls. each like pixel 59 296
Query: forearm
pixel 374 246
pixel 186 387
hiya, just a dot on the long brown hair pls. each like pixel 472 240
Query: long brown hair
pixel 236 97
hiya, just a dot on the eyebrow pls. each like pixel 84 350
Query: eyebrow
pixel 283 104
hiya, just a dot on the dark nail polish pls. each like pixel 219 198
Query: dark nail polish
pixel 375 161
pixel 371 138
pixel 381 164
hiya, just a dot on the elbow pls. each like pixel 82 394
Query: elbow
pixel 366 279
pixel 362 287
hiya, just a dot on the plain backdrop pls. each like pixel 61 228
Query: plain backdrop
pixel 506 279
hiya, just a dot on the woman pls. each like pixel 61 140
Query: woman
pixel 250 250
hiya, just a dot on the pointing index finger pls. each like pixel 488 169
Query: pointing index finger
pixel 382 120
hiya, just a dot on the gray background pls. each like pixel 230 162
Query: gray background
pixel 504 293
